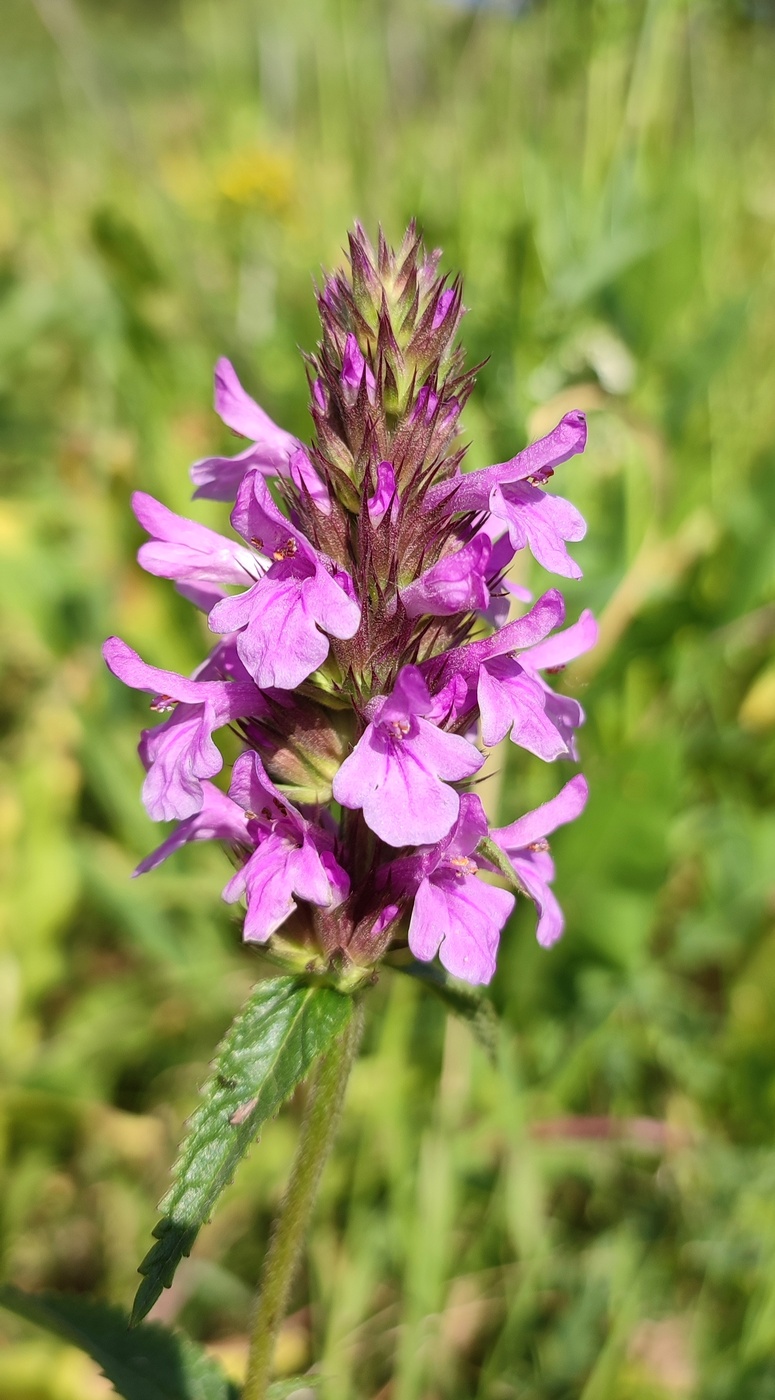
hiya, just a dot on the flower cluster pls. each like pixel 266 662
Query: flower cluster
pixel 365 654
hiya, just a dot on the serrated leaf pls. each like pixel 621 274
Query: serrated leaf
pixel 472 1006
pixel 146 1363
pixel 269 1049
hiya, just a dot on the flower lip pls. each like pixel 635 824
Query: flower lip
pixel 401 767
pixel 524 842
pixel 454 914
pixel 271 447
pixel 301 598
pixel 293 858
pixel 187 552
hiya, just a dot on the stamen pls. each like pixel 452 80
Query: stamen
pixel 462 865
pixel 285 551
pixel 542 845
pixel 162 703
pixel 397 728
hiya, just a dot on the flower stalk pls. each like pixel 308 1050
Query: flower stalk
pixel 325 1097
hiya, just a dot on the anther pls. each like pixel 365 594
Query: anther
pixel 463 866
pixel 398 728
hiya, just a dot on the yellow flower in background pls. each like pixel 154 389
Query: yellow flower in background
pixel 257 175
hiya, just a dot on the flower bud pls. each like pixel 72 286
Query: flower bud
pixel 303 746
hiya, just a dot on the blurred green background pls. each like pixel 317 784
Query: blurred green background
pixel 596 1219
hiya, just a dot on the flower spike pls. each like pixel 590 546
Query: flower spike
pixel 372 644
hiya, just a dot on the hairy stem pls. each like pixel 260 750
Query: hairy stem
pixel 324 1104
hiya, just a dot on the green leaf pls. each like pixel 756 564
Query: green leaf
pixel 472 1006
pixel 269 1049
pixel 147 1363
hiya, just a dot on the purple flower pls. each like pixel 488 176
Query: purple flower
pixel 293 858
pixel 270 451
pixel 180 753
pixel 511 702
pixel 510 491
pixel 426 404
pixel 455 914
pixel 501 589
pixel 385 497
pixel 541 522
pixel 223 663
pixel 510 695
pixel 444 305
pixel 507 696
pixel 304 476
pixel 535 463
pixel 524 842
pixel 190 553
pixel 523 632
pixel 553 655
pixel 354 371
pixel 283 619
pixel 399 770
pixel 456 584
pixel 219 819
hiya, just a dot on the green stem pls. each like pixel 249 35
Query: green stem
pixel 324 1104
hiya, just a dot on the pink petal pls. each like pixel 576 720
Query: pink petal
pixel 471 491
pixel 535 825
pixel 449 755
pixel 218 478
pixel 307 479
pixel 184 550
pixel 542 522
pixel 410 696
pixel 510 700
pixel 242 414
pixel 127 665
pixel 580 637
pixel 385 495
pixel 453 585
pixel 219 819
